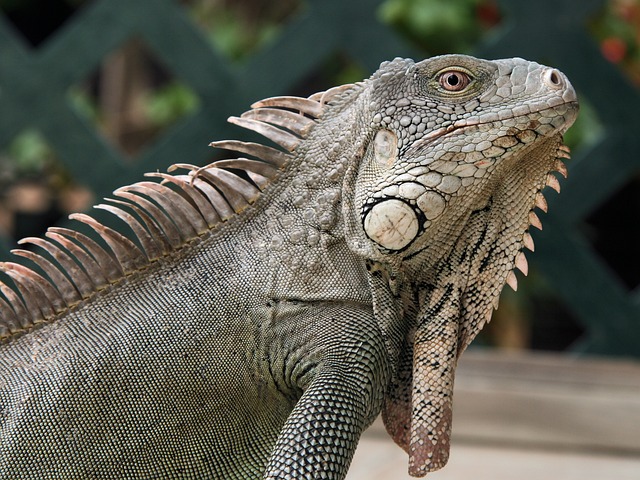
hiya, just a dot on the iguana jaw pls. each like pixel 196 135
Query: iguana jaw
pixel 401 226
pixel 460 126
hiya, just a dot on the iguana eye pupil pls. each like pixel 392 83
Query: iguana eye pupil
pixel 454 81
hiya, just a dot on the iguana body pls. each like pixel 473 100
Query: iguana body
pixel 253 334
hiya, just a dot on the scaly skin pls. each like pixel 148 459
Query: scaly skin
pixel 263 346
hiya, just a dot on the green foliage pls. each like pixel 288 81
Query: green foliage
pixel 84 103
pixel 587 130
pixel 440 26
pixel 29 153
pixel 29 156
pixel 234 40
pixel 616 28
pixel 350 73
pixel 237 29
pixel 171 102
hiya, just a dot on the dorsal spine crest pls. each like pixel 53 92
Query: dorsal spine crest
pixel 164 215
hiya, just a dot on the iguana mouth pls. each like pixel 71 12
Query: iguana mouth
pixel 569 115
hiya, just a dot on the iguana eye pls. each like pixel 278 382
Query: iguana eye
pixel 454 80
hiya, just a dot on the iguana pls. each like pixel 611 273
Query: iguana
pixel 269 307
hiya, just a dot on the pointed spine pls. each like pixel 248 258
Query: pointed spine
pixel 238 192
pixel 267 154
pixel 70 267
pixel 65 287
pixel 168 228
pixel 171 203
pixel 512 281
pixel 329 95
pixel 552 182
pixel 35 297
pixel 535 221
pixel 541 202
pixel 110 267
pixel 9 324
pixel 303 105
pixel 561 168
pixel 527 241
pixel 93 269
pixel 286 140
pixel 156 232
pixel 149 246
pixel 521 263
pixel 129 256
pixel 296 123
pixel 50 292
pixel 17 306
pixel 195 196
pixel 259 172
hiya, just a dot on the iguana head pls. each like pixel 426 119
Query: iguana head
pixel 459 151
pixel 442 128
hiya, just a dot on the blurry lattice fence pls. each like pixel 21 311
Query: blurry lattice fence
pixel 600 294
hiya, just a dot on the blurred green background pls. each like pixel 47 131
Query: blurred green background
pixel 93 93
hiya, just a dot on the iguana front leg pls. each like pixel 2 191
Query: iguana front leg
pixel 344 396
pixel 322 432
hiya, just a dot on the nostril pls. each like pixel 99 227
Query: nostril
pixel 552 78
